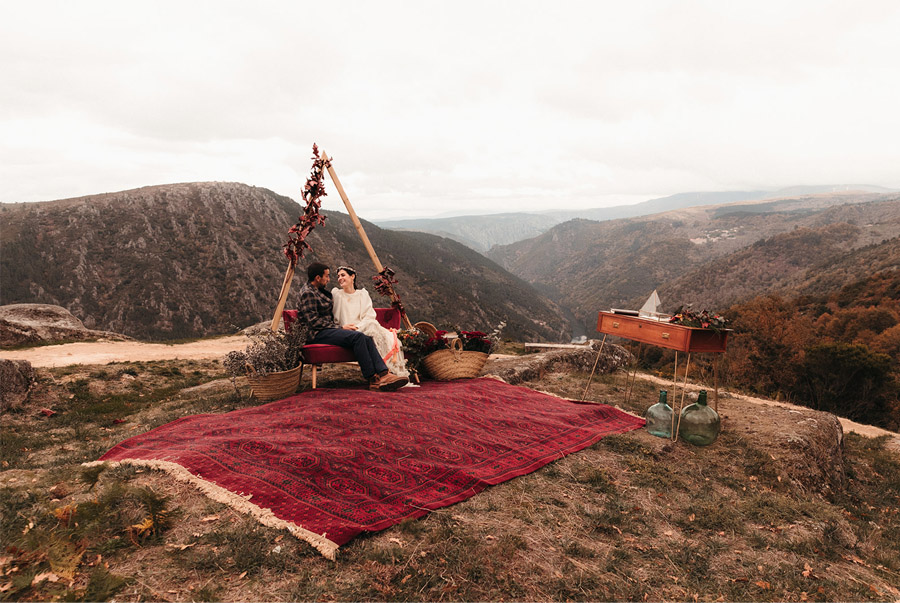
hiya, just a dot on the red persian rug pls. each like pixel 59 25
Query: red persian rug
pixel 329 464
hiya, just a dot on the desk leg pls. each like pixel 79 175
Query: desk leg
pixel 596 362
pixel 675 377
pixel 629 382
pixel 674 390
pixel 687 367
pixel 716 384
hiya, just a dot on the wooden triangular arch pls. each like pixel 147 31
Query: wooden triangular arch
pixel 385 280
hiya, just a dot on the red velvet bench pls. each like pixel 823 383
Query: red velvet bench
pixel 318 354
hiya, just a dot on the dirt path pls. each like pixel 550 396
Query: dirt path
pixel 103 352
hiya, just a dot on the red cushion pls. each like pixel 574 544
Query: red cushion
pixel 389 318
pixel 323 353
pixel 288 316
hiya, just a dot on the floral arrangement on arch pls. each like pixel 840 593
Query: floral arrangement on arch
pixel 698 320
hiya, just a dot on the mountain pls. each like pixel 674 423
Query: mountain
pixel 721 253
pixel 482 232
pixel 479 232
pixel 197 259
pixel 810 261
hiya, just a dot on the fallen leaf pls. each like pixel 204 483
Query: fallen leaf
pixel 804 596
pixel 854 559
pixel 763 584
pixel 242 575
pixel 47 412
pixel 5 587
pixel 405 578
pixel 692 517
pixel 807 571
pixel 45 576
pixel 395 541
pixel 64 514
pixel 875 590
pixel 210 518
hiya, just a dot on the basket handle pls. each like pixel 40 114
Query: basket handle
pixel 456 345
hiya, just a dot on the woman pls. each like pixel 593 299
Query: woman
pixel 353 310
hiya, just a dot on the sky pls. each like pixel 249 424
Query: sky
pixel 436 108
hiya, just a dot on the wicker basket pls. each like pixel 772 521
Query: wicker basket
pixel 446 365
pixel 274 386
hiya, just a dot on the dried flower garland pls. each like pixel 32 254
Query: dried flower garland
pixel 384 283
pixel 313 191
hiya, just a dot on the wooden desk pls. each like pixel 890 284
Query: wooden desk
pixel 665 335
pixel 662 334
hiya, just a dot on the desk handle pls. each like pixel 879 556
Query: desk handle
pixel 664 335
pixel 615 325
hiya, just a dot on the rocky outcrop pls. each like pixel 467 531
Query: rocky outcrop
pixel 24 324
pixel 532 367
pixel 16 379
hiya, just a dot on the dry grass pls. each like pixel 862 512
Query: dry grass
pixel 632 518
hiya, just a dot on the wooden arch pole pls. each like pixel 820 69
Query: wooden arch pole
pixel 282 299
pixel 359 228
pixel 356 222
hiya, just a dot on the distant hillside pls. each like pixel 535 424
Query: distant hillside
pixel 482 232
pixel 587 266
pixel 812 261
pixel 198 259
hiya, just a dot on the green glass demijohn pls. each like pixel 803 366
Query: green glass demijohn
pixel 699 424
pixel 659 417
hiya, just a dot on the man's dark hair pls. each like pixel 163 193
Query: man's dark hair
pixel 315 269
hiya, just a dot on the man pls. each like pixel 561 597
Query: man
pixel 316 308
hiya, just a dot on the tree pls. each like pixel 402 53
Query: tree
pixel 849 380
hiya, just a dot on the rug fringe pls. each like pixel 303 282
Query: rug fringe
pixel 237 502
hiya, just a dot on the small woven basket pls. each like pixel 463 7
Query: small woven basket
pixel 446 365
pixel 274 386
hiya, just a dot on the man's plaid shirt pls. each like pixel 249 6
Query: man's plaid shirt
pixel 316 308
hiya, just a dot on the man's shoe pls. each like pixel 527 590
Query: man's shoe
pixel 388 383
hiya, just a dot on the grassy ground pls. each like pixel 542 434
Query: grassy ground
pixel 632 518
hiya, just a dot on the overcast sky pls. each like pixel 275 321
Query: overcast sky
pixel 431 107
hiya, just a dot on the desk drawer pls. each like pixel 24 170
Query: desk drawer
pixel 661 334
